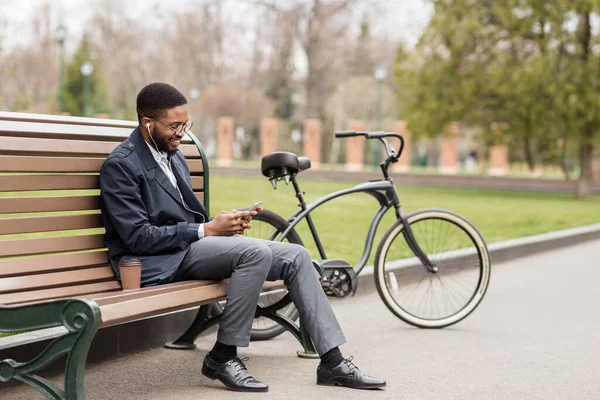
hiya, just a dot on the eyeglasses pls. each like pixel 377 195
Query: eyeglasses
pixel 185 127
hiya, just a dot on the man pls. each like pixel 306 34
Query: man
pixel 151 213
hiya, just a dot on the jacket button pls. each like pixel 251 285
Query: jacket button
pixel 131 145
pixel 183 244
pixel 169 223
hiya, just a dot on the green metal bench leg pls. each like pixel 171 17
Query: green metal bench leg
pixel 81 318
pixel 202 322
pixel 298 332
pixel 307 343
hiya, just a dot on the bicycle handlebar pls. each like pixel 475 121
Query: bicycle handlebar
pixel 392 155
pixel 343 134
pixel 368 135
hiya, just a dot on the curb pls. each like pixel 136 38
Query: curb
pixel 512 249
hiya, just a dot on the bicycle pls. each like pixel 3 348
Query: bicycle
pixel 422 253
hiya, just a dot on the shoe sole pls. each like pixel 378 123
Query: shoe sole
pixel 327 382
pixel 209 375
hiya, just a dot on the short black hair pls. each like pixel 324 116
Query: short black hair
pixel 156 98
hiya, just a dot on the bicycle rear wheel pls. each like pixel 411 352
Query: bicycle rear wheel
pixel 433 299
pixel 269 226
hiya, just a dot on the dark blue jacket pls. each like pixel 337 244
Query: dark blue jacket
pixel 143 213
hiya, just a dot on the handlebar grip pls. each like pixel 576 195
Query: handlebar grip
pixel 343 134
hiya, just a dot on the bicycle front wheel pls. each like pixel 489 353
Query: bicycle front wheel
pixel 433 299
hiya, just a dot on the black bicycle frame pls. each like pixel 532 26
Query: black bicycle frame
pixel 384 192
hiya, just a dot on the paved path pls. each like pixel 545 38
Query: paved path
pixel 535 336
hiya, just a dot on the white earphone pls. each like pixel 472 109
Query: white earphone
pixel 148 127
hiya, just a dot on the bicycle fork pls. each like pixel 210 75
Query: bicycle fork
pixel 412 242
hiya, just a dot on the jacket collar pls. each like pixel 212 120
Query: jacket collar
pixel 142 148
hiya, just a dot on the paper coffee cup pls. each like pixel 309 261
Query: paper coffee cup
pixel 131 273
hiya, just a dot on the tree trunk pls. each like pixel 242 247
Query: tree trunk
pixel 586 149
pixel 529 157
pixel 586 153
pixel 563 160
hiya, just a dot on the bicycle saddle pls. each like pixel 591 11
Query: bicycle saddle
pixel 282 163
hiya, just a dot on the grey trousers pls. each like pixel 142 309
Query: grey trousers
pixel 249 263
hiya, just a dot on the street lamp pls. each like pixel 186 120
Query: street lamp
pixel 194 93
pixel 380 76
pixel 87 68
pixel 61 36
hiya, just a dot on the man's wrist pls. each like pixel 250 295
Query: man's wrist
pixel 206 229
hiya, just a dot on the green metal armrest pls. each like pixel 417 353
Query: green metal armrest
pixel 80 317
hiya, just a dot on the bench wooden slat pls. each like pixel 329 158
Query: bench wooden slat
pixel 10 205
pixel 69 131
pixel 62 119
pixel 49 224
pixel 48 262
pixel 116 313
pixel 195 166
pixel 200 196
pixel 49 164
pixel 57 293
pixel 197 182
pixel 24 145
pixel 21 247
pixel 64 131
pixel 31 282
pixel 16 183
pixel 66 164
pixel 159 297
pixel 104 299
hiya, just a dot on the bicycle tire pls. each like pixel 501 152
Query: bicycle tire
pixel 269 225
pixel 455 267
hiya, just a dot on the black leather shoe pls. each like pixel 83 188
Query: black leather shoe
pixel 232 374
pixel 347 374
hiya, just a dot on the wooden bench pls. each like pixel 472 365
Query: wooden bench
pixel 54 268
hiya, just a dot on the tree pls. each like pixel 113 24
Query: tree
pixel 516 63
pixel 28 73
pixel 361 61
pixel 279 74
pixel 320 24
pixel 74 84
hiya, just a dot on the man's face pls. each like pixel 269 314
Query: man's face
pixel 167 139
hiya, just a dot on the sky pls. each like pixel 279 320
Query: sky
pixel 398 19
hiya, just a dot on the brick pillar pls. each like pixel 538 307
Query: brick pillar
pixel 355 150
pixel 225 128
pixel 449 150
pixel 498 157
pixel 498 160
pixel 312 141
pixel 268 136
pixel 403 164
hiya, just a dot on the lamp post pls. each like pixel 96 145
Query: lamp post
pixel 380 76
pixel 87 68
pixel 61 36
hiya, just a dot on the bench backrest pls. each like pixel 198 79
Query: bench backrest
pixel 51 233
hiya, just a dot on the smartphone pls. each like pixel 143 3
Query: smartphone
pixel 251 208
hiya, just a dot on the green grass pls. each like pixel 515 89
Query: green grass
pixel 343 222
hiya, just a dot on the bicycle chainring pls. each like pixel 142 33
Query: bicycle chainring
pixel 339 281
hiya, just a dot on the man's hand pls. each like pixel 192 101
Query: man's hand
pixel 228 223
